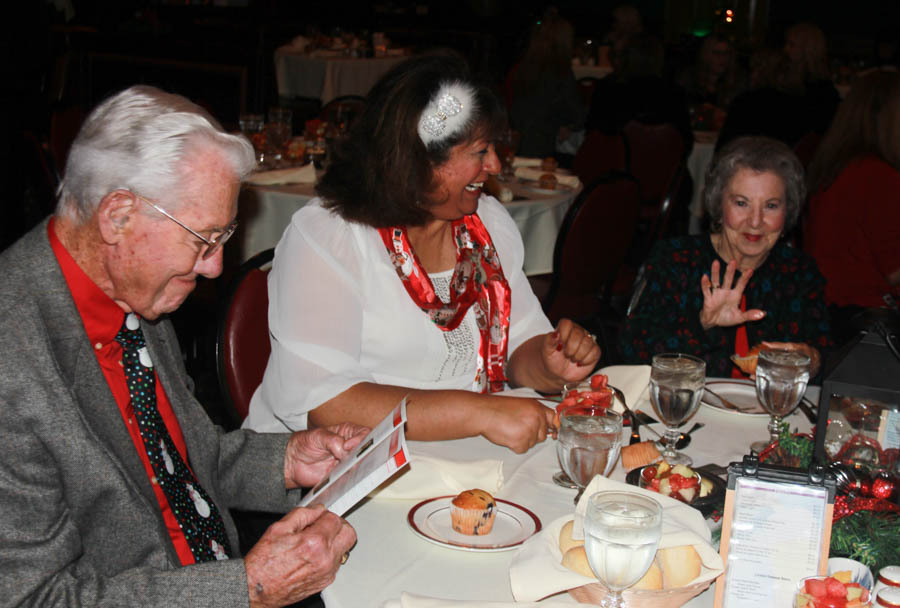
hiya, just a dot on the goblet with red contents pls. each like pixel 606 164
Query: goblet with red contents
pixel 592 393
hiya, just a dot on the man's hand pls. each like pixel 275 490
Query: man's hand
pixel 297 556
pixel 310 455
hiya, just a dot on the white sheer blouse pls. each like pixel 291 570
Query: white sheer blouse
pixel 339 315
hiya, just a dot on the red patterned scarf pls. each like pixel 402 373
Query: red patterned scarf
pixel 477 280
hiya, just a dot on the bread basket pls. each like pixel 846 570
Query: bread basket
pixel 643 598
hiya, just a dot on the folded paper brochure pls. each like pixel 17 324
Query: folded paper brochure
pixel 381 453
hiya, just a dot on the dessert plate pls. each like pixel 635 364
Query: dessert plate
pixel 741 393
pixel 513 525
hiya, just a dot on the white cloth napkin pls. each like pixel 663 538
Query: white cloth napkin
pixel 632 380
pixel 537 571
pixel 292 175
pixel 409 600
pixel 525 161
pixel 535 173
pixel 427 477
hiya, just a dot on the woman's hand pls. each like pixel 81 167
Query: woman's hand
pixel 722 298
pixel 515 422
pixel 570 353
pixel 815 359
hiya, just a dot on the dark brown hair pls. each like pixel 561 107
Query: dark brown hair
pixel 866 122
pixel 382 173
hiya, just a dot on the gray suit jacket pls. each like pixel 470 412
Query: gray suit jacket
pixel 79 523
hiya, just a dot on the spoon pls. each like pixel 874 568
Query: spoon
pixel 685 438
pixel 635 436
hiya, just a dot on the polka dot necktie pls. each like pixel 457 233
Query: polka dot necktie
pixel 196 513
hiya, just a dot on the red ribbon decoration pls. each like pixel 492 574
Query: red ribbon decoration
pixel 477 280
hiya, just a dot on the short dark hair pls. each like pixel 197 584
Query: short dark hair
pixel 382 173
pixel 760 154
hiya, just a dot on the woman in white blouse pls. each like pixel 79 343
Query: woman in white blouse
pixel 404 279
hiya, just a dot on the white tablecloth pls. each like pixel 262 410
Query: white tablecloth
pixel 327 74
pixel 390 559
pixel 265 211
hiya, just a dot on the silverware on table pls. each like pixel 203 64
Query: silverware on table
pixel 685 439
pixel 728 404
pixel 635 423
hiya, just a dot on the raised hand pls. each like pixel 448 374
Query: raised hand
pixel 722 298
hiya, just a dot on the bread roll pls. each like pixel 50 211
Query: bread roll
pixel 748 363
pixel 575 559
pixel 639 454
pixel 566 541
pixel 671 568
pixel 680 565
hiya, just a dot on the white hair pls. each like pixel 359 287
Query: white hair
pixel 138 140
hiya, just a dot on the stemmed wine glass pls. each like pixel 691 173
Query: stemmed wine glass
pixel 588 443
pixel 781 379
pixel 676 385
pixel 621 535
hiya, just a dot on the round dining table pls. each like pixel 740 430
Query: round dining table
pixel 265 211
pixel 390 559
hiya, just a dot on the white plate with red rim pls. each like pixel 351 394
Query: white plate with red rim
pixel 513 525
pixel 741 393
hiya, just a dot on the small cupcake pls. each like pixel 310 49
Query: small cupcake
pixel 472 512
pixel 547 181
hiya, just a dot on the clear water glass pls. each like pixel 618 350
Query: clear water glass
pixel 588 443
pixel 621 535
pixel 781 379
pixel 676 385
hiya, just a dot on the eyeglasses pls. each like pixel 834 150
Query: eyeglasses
pixel 213 244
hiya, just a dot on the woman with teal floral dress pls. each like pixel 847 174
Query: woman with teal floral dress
pixel 721 294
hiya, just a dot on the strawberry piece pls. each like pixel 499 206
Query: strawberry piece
pixel 649 473
pixel 835 588
pixel 599 381
pixel 816 588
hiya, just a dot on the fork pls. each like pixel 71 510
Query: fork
pixel 728 404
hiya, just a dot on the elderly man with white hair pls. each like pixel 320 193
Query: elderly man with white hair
pixel 115 487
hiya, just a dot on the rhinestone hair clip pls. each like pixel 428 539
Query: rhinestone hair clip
pixel 447 113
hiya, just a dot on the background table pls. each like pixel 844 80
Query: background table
pixel 328 74
pixel 390 559
pixel 265 211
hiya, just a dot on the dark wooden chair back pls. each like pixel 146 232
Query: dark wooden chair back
pixel 586 86
pixel 591 246
pixel 599 153
pixel 242 344
pixel 655 152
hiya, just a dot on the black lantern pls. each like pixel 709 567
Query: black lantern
pixel 858 406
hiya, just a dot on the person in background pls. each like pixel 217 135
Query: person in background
pixel 808 77
pixel 115 486
pixel 636 90
pixel 715 78
pixel 721 294
pixel 405 280
pixel 766 108
pixel 546 107
pixel 626 22
pixel 853 221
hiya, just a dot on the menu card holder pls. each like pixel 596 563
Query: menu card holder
pixel 379 455
pixel 776 529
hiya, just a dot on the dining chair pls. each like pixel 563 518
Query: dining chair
pixel 655 152
pixel 242 341
pixel 600 153
pixel 590 248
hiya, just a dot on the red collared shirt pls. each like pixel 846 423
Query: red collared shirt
pixel 102 319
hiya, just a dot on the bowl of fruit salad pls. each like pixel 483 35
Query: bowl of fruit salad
pixel 835 591
pixel 704 493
